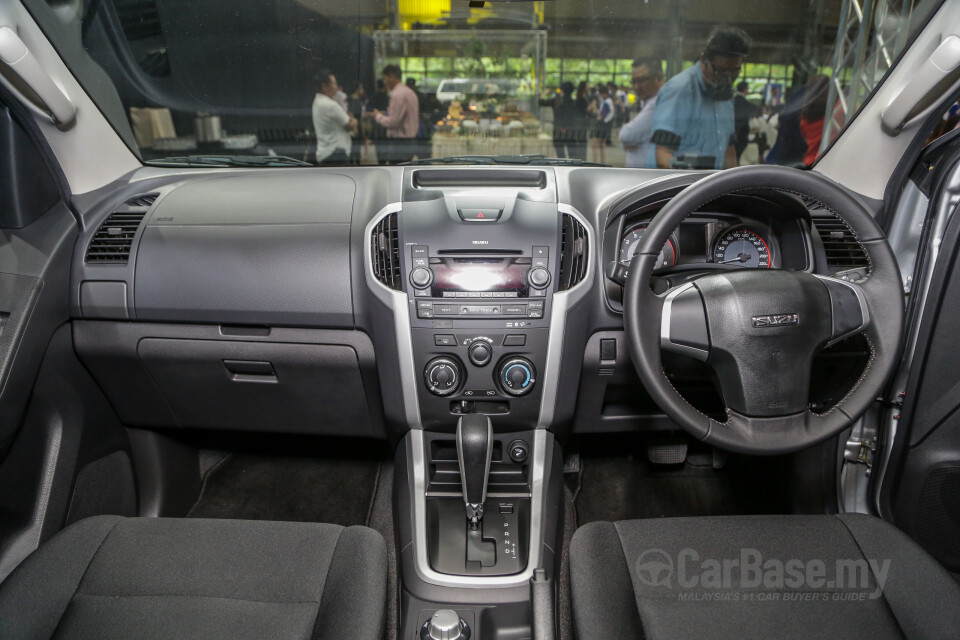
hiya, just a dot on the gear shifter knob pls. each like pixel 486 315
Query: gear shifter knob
pixel 474 450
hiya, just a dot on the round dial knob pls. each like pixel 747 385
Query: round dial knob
pixel 421 277
pixel 443 376
pixel 538 277
pixel 516 376
pixel 480 353
pixel 445 625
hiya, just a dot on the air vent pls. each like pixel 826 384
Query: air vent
pixel 573 253
pixel 145 200
pixel 112 242
pixel 385 252
pixel 449 178
pixel 841 246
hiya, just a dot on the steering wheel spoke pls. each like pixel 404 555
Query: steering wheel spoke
pixel 683 323
pixel 849 311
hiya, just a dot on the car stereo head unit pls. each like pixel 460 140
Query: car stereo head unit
pixel 487 283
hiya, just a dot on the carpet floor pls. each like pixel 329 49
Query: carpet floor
pixel 251 487
pixel 627 486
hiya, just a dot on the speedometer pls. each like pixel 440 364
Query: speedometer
pixel 631 240
pixel 742 247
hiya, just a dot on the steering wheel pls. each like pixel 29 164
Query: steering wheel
pixel 759 329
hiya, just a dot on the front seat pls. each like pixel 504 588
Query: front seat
pixel 111 577
pixel 758 577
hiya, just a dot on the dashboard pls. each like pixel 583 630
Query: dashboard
pixel 389 298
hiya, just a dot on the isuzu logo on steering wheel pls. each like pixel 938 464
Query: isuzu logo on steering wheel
pixel 778 320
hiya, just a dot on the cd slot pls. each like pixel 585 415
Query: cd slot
pixel 483 252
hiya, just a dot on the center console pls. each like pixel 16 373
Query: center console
pixel 478 267
pixel 482 272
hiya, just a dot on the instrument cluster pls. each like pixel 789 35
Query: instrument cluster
pixel 708 239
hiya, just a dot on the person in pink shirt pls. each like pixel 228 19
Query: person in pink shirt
pixel 402 119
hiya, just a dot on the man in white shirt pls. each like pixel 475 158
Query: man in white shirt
pixel 331 122
pixel 647 80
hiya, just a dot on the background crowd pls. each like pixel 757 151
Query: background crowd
pixel 701 118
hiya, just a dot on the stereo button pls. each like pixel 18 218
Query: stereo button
pixel 446 309
pixel 538 277
pixel 421 277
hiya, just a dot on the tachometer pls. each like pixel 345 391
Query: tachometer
pixel 742 247
pixel 631 240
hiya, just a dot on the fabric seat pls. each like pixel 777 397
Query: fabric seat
pixel 111 577
pixel 758 577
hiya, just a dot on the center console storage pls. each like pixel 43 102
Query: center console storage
pixel 498 543
pixel 440 566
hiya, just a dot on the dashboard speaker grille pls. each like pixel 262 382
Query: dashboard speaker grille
pixel 841 246
pixel 112 242
pixel 385 252
pixel 573 253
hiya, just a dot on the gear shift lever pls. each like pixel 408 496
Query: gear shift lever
pixel 474 450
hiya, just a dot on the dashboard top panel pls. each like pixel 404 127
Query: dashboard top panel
pixel 257 199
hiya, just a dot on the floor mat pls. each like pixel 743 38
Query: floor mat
pixel 564 600
pixel 381 519
pixel 630 487
pixel 289 488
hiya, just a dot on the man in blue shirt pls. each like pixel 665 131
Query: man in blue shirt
pixel 694 115
pixel 634 136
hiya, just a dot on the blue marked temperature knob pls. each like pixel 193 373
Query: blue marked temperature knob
pixel 516 376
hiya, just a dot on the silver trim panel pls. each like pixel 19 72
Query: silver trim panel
pixel 666 343
pixel 397 301
pixel 562 301
pixel 542 445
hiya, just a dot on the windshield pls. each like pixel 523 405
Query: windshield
pixel 692 84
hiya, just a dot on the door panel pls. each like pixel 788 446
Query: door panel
pixel 63 453
pixel 37 235
pixel 924 495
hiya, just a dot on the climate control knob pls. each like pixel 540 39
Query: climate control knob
pixel 538 277
pixel 443 376
pixel 480 353
pixel 421 277
pixel 516 376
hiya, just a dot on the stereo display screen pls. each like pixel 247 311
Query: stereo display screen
pixel 505 276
